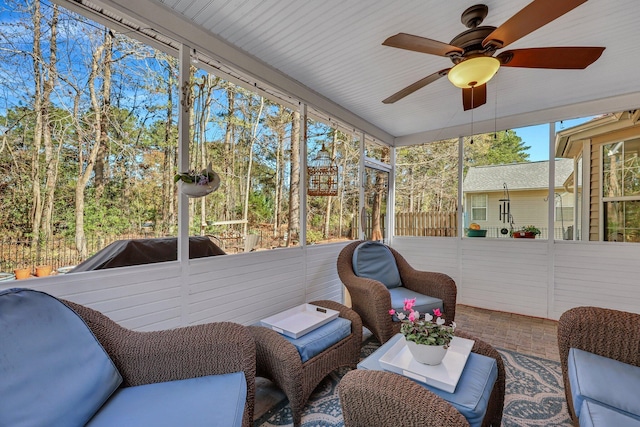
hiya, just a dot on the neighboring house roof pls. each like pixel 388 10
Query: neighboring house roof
pixel 517 176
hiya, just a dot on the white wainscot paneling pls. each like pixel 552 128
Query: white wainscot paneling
pixel 505 275
pixel 430 253
pixel 245 287
pixel 497 274
pixel 603 274
pixel 141 298
pixel 322 278
pixel 248 287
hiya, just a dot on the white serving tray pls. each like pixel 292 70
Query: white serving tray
pixel 444 376
pixel 300 320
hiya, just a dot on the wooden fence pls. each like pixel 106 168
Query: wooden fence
pixel 426 224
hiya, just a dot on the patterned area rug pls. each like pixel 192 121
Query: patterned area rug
pixel 534 396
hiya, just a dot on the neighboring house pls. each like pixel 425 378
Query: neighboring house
pixel 606 151
pixel 513 195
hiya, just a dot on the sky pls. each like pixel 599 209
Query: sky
pixel 538 136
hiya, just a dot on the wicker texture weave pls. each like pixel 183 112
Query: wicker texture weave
pixel 371 299
pixel 189 352
pixel 608 333
pixel 378 398
pixel 279 360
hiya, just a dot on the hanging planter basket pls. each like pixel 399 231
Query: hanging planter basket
pixel 200 184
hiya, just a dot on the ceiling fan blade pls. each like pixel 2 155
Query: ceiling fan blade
pixel 474 97
pixel 421 44
pixel 533 16
pixel 565 58
pixel 414 87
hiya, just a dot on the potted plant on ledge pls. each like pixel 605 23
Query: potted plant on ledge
pixel 527 232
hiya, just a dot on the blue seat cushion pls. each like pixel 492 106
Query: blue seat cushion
pixel 53 370
pixel 608 382
pixel 318 340
pixel 374 260
pixel 214 400
pixel 424 303
pixel 595 415
pixel 471 396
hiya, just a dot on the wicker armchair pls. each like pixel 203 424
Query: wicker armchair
pixel 372 398
pixel 193 351
pixel 371 299
pixel 608 333
pixel 279 361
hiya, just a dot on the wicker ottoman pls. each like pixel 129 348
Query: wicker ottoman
pixel 279 361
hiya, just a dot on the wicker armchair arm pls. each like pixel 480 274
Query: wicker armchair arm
pixel 609 333
pixel 193 351
pixel 378 398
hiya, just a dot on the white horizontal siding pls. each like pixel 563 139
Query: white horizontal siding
pixel 430 254
pixel 242 288
pixel 604 274
pixel 532 277
pixel 142 298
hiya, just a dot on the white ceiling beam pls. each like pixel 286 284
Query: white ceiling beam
pixel 549 115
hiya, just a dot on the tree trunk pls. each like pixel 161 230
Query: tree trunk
pixel 101 163
pixel 229 172
pixel 97 107
pixel 36 207
pixel 52 154
pixel 169 161
pixel 327 213
pixel 254 134
pixel 294 186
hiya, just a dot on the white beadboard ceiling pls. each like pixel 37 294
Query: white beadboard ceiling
pixel 334 47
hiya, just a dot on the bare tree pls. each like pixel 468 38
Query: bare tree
pixel 294 187
pixel 98 62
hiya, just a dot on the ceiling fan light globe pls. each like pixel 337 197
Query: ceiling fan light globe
pixel 473 71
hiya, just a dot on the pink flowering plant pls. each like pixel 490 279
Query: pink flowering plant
pixel 426 329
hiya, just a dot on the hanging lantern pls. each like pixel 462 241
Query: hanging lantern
pixel 323 175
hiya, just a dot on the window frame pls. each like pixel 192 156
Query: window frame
pixel 606 200
pixel 473 208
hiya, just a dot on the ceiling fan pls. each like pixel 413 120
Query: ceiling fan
pixel 472 51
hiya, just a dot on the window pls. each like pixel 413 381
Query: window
pixel 478 207
pixel 426 189
pixel 621 191
pixel 91 137
pixel 564 214
pixel 333 216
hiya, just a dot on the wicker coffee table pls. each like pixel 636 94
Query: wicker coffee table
pixel 279 361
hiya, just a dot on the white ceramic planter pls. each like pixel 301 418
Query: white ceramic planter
pixel 427 354
pixel 197 190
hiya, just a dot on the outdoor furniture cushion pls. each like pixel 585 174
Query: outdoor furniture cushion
pixel 374 260
pixel 608 382
pixel 595 415
pixel 60 375
pixel 424 303
pixel 315 342
pixel 472 393
pixel 213 400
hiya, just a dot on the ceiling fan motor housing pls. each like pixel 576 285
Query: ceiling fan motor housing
pixel 474 15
